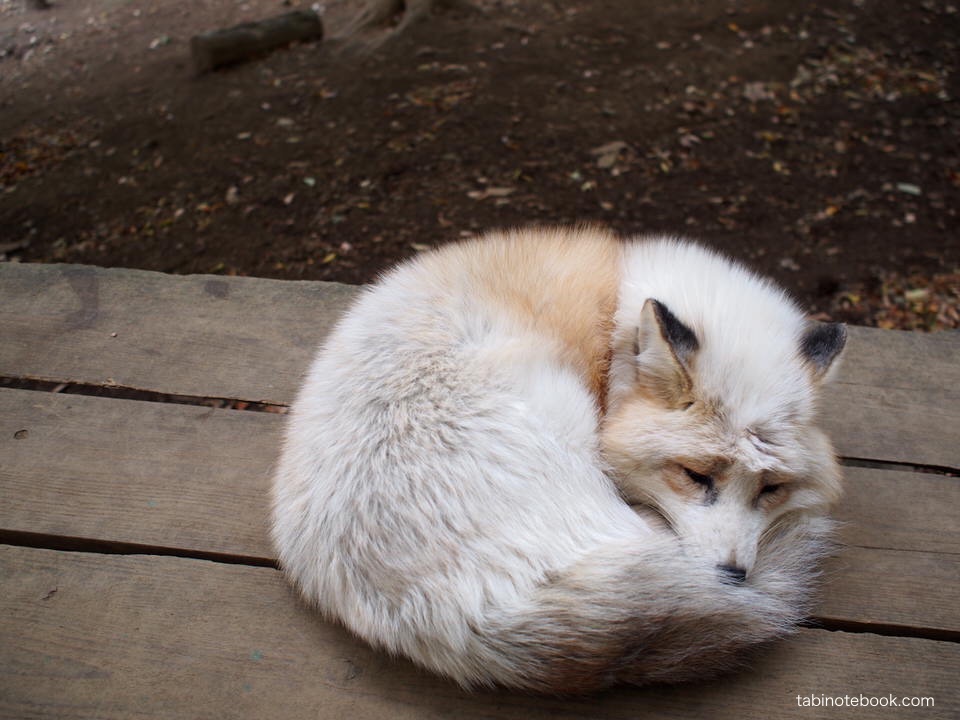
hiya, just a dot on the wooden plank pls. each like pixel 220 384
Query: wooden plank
pixel 94 636
pixel 893 587
pixel 896 397
pixel 113 459
pixel 196 479
pixel 184 335
pixel 160 474
pixel 900 561
pixel 889 509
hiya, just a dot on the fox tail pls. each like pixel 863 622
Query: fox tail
pixel 642 615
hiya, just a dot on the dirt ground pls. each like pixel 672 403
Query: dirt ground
pixel 816 140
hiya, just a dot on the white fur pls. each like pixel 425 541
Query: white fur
pixel 749 367
pixel 744 323
pixel 443 489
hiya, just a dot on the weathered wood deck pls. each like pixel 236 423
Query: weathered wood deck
pixel 136 577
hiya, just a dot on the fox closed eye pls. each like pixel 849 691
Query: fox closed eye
pixel 770 495
pixel 699 478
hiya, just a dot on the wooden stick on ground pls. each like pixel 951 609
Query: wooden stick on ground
pixel 217 48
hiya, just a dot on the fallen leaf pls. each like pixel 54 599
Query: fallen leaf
pixel 606 161
pixel 757 91
pixel 610 147
pixel 496 192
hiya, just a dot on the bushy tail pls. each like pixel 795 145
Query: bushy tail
pixel 640 615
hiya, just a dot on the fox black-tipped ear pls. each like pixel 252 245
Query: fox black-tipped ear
pixel 663 351
pixel 821 345
pixel 681 339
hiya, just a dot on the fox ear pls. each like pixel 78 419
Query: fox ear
pixel 663 351
pixel 821 345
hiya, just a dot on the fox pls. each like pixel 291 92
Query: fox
pixel 555 460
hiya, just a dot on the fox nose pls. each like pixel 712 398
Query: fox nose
pixel 732 574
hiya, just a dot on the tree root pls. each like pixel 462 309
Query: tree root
pixel 382 21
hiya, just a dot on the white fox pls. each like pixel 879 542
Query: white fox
pixel 459 468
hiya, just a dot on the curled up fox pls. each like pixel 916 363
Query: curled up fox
pixel 553 460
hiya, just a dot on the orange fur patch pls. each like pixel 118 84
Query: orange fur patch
pixel 564 285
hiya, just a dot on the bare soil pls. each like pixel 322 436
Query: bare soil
pixel 818 141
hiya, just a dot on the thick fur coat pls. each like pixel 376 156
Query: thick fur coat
pixel 460 468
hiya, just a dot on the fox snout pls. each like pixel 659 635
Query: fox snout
pixel 725 534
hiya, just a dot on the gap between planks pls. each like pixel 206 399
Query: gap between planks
pixel 48 541
pixel 41 541
pixel 127 637
pixel 117 392
pixel 133 485
pixel 252 339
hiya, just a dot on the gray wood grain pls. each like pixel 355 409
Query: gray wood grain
pixel 900 510
pixel 896 397
pixel 138 472
pixel 87 635
pixel 881 586
pixel 197 479
pixel 97 636
pixel 195 335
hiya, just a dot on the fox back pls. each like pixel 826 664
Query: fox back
pixel 460 467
